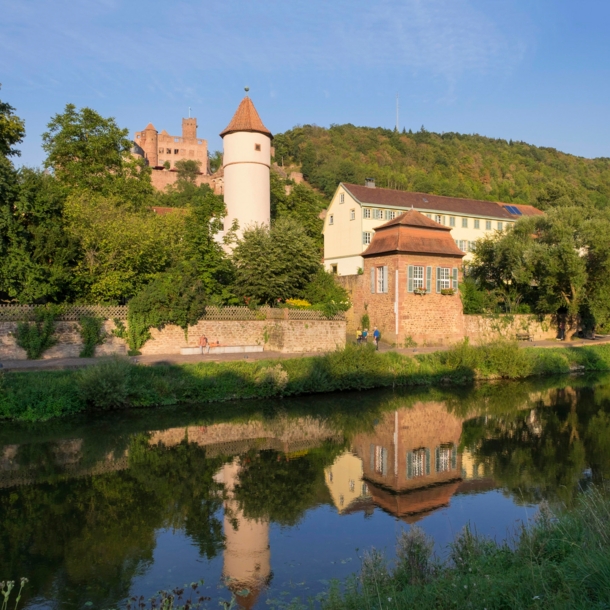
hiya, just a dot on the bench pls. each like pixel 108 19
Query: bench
pixel 221 349
pixel 524 336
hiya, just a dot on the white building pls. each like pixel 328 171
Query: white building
pixel 355 211
pixel 246 164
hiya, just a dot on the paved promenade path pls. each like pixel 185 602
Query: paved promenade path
pixel 73 363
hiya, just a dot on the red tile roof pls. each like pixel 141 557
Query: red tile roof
pixel 246 119
pixel 425 201
pixel 413 233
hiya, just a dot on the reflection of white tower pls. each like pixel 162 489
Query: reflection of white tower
pixel 247 555
pixel 246 163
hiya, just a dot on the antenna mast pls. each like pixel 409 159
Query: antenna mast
pixel 189 112
pixel 397 112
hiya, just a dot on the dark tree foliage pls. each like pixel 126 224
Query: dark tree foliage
pixel 301 203
pixel 451 164
pixel 39 255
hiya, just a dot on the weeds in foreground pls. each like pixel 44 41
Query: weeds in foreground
pixel 561 560
pixel 6 588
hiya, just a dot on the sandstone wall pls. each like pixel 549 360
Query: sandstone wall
pixel 286 336
pixel 483 329
pixel 69 343
pixel 161 179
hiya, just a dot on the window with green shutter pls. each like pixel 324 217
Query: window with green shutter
pixel 455 279
pixel 410 278
pixel 428 279
pixel 373 280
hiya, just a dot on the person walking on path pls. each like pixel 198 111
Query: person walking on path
pixel 359 336
pixel 365 335
pixel 376 336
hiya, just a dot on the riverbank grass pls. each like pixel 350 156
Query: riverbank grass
pixel 559 561
pixel 116 383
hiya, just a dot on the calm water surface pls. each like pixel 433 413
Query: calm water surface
pixel 271 501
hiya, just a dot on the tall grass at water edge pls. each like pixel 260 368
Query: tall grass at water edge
pixel 560 561
pixel 117 383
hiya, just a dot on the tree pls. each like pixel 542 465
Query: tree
pixel 302 203
pixel 188 170
pixel 90 153
pixel 557 262
pixel 39 255
pixel 12 130
pixel 215 160
pixel 121 249
pixel 276 263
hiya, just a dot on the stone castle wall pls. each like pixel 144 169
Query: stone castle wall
pixel 162 178
pixel 286 336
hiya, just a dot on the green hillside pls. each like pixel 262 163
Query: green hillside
pixel 444 164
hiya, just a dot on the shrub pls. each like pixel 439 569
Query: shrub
pixel 91 334
pixel 365 321
pixel 38 336
pixel 106 385
pixel 414 554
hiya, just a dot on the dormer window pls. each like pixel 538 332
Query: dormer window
pixel 257 147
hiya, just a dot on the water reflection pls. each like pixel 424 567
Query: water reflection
pixel 85 507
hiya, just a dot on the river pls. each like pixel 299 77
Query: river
pixel 271 500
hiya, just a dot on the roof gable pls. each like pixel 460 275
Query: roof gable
pixel 246 118
pixel 413 233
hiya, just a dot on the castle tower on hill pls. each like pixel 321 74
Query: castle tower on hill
pixel 163 149
pixel 246 164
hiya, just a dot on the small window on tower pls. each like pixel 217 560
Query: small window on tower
pixel 176 151
pixel 168 151
pixel 257 147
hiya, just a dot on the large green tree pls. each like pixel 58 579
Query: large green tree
pixel 275 263
pixel 39 255
pixel 88 152
pixel 559 262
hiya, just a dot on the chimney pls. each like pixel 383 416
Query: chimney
pixel 369 182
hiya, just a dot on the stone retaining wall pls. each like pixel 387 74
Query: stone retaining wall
pixel 483 329
pixel 286 336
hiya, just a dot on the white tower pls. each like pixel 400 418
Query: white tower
pixel 246 163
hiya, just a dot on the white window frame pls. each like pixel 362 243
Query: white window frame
pixel 366 237
pixel 488 225
pixel 331 219
pixel 500 225
pixel 443 277
pixel 352 214
pixel 342 198
pixel 464 223
pixel 419 277
pixel 382 279
pixel 366 212
pixel 477 223
pixel 438 218
pixel 377 214
pixel 452 221
pixel 390 214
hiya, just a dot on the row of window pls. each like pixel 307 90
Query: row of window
pixel 179 151
pixel 418 278
pixel 378 214
pixel 418 461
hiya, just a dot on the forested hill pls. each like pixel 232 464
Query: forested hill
pixel 444 164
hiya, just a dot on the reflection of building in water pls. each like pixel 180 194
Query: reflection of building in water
pixel 410 461
pixel 344 481
pixel 247 555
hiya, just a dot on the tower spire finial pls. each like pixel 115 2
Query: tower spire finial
pixel 246 89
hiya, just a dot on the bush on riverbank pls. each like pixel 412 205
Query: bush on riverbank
pixel 561 561
pixel 117 383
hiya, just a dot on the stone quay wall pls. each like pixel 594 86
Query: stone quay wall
pixel 283 335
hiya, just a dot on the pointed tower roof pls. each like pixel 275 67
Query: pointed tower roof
pixel 150 126
pixel 413 233
pixel 246 119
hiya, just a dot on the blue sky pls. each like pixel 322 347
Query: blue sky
pixel 532 70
